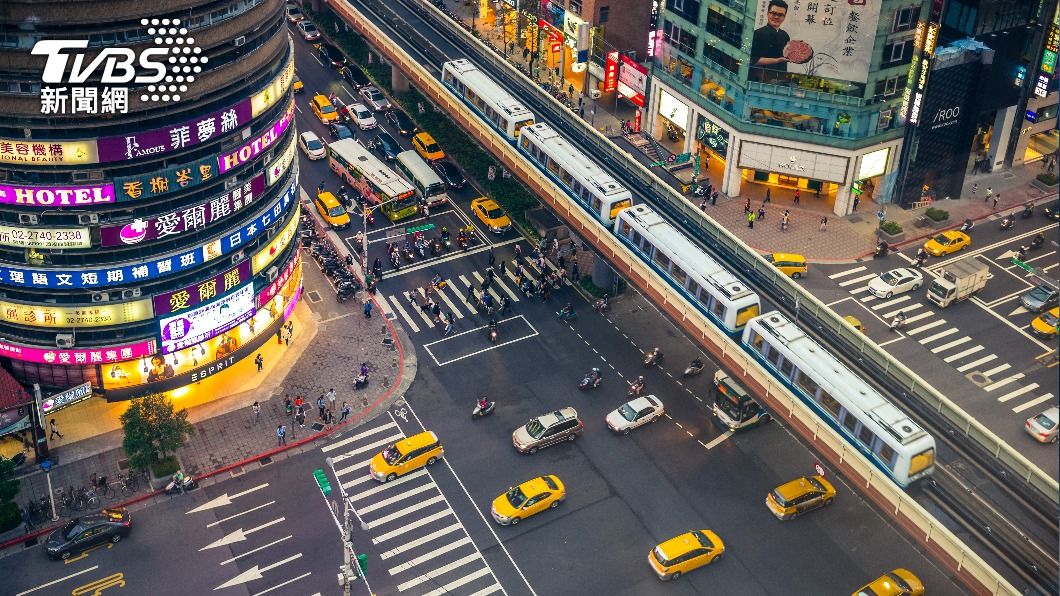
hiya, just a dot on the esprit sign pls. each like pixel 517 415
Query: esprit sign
pixel 56 196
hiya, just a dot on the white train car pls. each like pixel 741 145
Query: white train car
pixel 886 435
pixel 583 179
pixel 488 99
pixel 715 291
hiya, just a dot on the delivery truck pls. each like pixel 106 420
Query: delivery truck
pixel 960 280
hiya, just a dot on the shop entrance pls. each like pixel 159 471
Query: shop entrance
pixel 785 187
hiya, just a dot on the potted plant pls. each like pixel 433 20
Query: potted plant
pixel 153 433
pixel 939 218
pixel 891 232
pixel 1046 181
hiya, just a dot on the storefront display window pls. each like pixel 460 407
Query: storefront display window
pixel 788 120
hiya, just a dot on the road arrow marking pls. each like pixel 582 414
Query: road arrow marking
pixel 1008 254
pixel 224 499
pixel 1018 311
pixel 254 573
pixel 239 535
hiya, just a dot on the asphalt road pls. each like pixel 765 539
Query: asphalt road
pixel 978 353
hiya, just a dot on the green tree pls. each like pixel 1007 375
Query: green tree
pixel 153 430
pixel 10 516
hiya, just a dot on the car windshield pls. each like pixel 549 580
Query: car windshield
pixel 375 94
pixel 343 133
pixel 391 454
pixel 1040 293
pixel 660 557
pixel 941 239
pixel 336 211
pixel 314 144
pixel 535 429
pixel 816 485
pixel 495 213
pixel 890 278
pixel 309 28
pixel 327 109
pixel 627 412
pixel 432 148
pixel 703 540
pixel 516 497
pixel 1050 319
pixel 363 114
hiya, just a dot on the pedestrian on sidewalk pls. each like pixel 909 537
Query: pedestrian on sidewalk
pixel 703 205
pixel 997 198
pixel 281 435
pixel 320 405
pixel 784 222
pixel 713 198
pixel 824 223
pixel 761 213
pixel 329 418
pixel 288 405
pixel 299 417
pixel 29 525
pixel 368 308
pixel 345 412
pixel 798 196
pixel 562 262
pixel 55 431
pixel 751 219
pixel 989 193
pixel 856 201
pixel 491 258
pixel 975 188
pixel 471 297
pixel 331 398
pixel 257 411
pixel 259 361
pixel 504 268
pixel 287 339
pixel 768 197
pixel 279 335
pixel 574 271
pixel 747 206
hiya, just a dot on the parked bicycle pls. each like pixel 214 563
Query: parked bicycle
pixel 102 486
pixel 127 484
pixel 86 499
pixel 64 501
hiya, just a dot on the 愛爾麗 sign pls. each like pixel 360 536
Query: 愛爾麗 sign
pixel 66 398
pixel 204 291
pixel 56 196
pixel 189 328
pixel 256 147
pixel 184 220
pixel 174 138
pixel 102 355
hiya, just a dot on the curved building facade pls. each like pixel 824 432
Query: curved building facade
pixel 148 190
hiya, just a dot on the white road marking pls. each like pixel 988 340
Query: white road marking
pixel 951 344
pixel 357 437
pixel 484 591
pixel 371 447
pixel 280 585
pixel 906 309
pixel 860 290
pixel 1003 382
pixel 459 299
pixel 231 517
pixel 412 509
pixel 982 360
pixel 851 282
pixel 939 335
pixel 1033 403
pixel 1014 394
pixel 449 587
pixel 61 579
pixel 926 326
pixel 719 439
pixel 479 278
pixel 224 499
pixel 386 486
pixel 891 302
pixel 404 315
pixel 429 575
pixel 254 573
pixel 239 534
pixel 914 318
pixel 449 303
pixel 399 497
pixel 416 524
pixel 960 355
pixel 994 371
pixel 363 466
pixel 397 550
pixel 504 286
pixel 407 565
pixel 260 548
pixel 847 272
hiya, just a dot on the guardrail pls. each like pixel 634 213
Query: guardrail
pixel 914 519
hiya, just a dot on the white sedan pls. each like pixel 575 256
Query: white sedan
pixel 896 281
pixel 312 146
pixel 362 116
pixel 634 413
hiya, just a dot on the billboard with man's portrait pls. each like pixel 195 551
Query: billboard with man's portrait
pixel 823 38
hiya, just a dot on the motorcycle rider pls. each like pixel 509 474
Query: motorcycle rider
pixel 696 363
pixel 445 234
pixel 921 256
pixel 482 403
pixel 595 377
pixel 567 310
pixel 1038 240
pixel 898 321
pixel 638 386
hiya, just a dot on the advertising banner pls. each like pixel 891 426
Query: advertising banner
pixel 274 91
pixel 91 315
pixel 265 295
pixel 713 136
pixel 204 291
pixel 156 184
pixel 45 237
pixel 69 397
pixel 207 321
pixel 264 257
pixel 56 196
pixel 275 170
pixel 12 420
pixel 103 355
pixel 157 266
pixel 611 72
pixel 256 147
pixel 822 39
pixel 632 81
pixel 179 136
pixel 184 220
pixel 21 151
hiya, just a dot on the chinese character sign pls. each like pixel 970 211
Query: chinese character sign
pixel 204 291
pixel 176 137
pixel 196 325
pixel 611 72
pixel 102 355
pixel 824 38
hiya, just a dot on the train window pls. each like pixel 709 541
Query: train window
pixel 637 239
pixel 553 167
pixel 584 194
pixel 717 308
pixel 447 77
pixel 830 404
pixel 623 230
pixel 678 274
pixel 806 383
pixel 595 204
pixel 524 143
pixel 866 436
pixel 537 153
pixel 565 176
pixel 785 368
pixel 746 314
pixel 886 453
pixel 774 356
pixel 757 341
pixel 849 420
pixel 693 288
pixel 661 260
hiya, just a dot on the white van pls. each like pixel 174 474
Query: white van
pixel 428 185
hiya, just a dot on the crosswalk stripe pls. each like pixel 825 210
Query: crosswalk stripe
pixel 479 278
pixel 994 371
pixel 423 300
pixel 358 436
pixel 851 282
pixel 939 335
pixel 906 309
pixel 405 315
pixel 1003 382
pixel 1014 394
pixel 951 344
pixel 925 326
pixel 915 318
pixel 398 497
pixel 362 465
pixel 504 286
pixel 864 299
pixel 449 587
pixel 960 355
pixel 397 550
pixel 366 477
pixel 413 525
pixel 489 590
pixel 371 447
pixel 452 307
pixel 982 360
pixel 431 555
pixel 891 302
pixel 429 575
pixel 407 510
pixel 1033 403
pixel 464 281
pixel 847 272
pixel 860 290
pixel 450 288
pixel 386 309
pixel 388 485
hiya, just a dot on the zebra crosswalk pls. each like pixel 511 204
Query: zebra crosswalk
pixel 424 548
pixel 924 324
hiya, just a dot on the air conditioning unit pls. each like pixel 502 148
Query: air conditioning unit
pixel 87 218
pixel 595 93
pixel 238 256
pixel 28 218
pixel 100 297
pixel 95 174
pixel 64 340
pixel 133 293
pixel 242 39
pixel 273 273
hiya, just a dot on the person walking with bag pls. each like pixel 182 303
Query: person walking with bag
pixel 281 435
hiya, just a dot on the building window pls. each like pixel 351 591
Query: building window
pixel 905 18
pixel 891 86
pixel 897 53
pixel 605 11
pixel 680 39
pixel 575 6
pixel 725 28
pixel 721 59
pixel 687 9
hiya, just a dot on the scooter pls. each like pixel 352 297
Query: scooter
pixel 480 412
pixel 436 247
pixel 361 381
pixel 344 292
pixel 446 242
pixel 635 389
pixel 410 256
pixel 1028 211
pixel 897 322
pixel 699 191
pixel 566 314
pixel 966 226
pixel 881 250
pixel 395 261
pixel 601 305
pixel 591 380
pixel 653 357
pixel 694 368
pixel 493 333
pixel 1037 241
pixel 463 243
pixel 1007 222
pixel 181 483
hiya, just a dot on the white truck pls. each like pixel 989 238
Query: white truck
pixel 960 280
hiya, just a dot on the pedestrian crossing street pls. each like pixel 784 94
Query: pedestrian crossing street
pixel 454 296
pixel 423 546
pixel 924 324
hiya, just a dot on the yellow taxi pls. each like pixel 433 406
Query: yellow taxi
pixel 427 147
pixel 406 455
pixel 298 86
pixel 332 211
pixel 529 498
pixel 947 242
pixel 681 554
pixel 323 109
pixel 1045 325
pixel 789 264
pixel 792 499
pixel 491 215
pixel 900 582
pixel 855 323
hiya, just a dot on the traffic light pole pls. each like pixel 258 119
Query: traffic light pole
pixel 350 570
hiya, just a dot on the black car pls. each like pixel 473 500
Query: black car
pixel 401 122
pixel 449 174
pixel 1052 211
pixel 385 145
pixel 329 54
pixel 339 131
pixel 355 77
pixel 82 532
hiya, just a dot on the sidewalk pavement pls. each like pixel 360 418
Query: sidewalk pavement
pixel 845 239
pixel 324 353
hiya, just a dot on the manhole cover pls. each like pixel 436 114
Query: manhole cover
pixel 265 461
pixel 978 378
pixel 313 296
pixel 236 472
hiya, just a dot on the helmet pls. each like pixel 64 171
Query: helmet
pixel 641 378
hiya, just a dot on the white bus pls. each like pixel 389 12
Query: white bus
pixel 377 183
pixel 486 97
pixel 429 186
